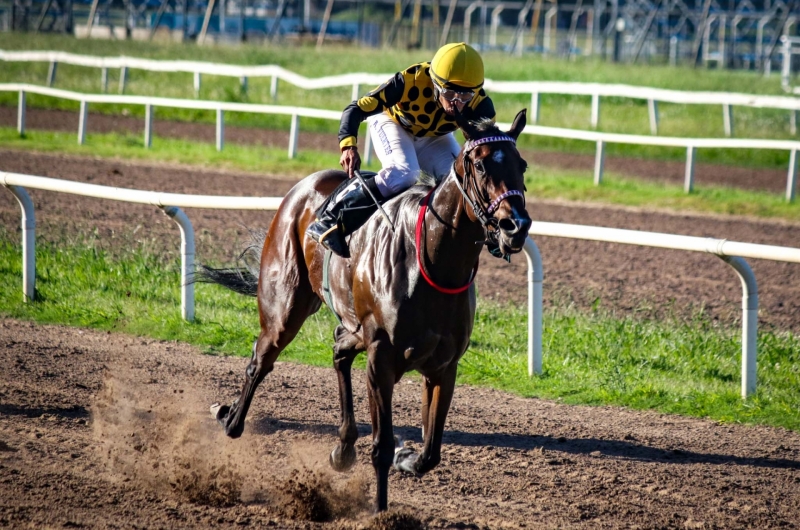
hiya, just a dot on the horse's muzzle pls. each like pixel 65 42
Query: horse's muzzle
pixel 513 232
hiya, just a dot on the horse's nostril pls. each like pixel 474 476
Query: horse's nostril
pixel 508 225
pixel 512 226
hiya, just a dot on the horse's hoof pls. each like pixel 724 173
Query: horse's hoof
pixel 404 460
pixel 342 461
pixel 219 412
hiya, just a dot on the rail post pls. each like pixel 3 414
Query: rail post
pixel 104 79
pixel 599 162
pixel 355 93
pixel 123 79
pixel 196 84
pixel 791 181
pixel 535 102
pixel 535 277
pixel 84 115
pixel 21 107
pixel 51 73
pixel 293 134
pixel 749 322
pixel 688 182
pixel 273 87
pixel 148 126
pixel 220 129
pixel 187 260
pixel 595 110
pixel 793 121
pixel 243 84
pixel 652 110
pixel 28 241
pixel 727 119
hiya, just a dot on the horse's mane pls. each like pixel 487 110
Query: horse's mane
pixel 425 181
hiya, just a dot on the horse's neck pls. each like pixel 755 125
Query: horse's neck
pixel 450 235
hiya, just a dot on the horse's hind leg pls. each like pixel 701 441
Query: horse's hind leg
pixel 345 350
pixel 285 301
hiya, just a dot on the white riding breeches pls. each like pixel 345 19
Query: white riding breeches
pixel 403 155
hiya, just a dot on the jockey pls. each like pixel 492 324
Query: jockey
pixel 411 118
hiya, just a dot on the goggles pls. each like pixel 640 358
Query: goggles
pixel 460 96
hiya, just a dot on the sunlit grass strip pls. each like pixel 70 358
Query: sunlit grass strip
pixel 542 182
pixel 676 366
pixel 251 158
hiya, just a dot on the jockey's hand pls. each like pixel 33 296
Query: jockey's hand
pixel 350 160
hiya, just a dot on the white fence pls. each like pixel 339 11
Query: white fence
pixel 727 100
pixel 599 138
pixel 730 251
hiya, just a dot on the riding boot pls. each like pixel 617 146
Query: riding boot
pixel 344 216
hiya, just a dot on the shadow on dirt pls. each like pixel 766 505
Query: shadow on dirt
pixel 618 449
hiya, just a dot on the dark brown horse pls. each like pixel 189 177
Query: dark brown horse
pixel 404 296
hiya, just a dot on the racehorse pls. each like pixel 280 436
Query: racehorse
pixel 405 295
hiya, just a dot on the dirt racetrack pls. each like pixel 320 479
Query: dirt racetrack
pixel 109 431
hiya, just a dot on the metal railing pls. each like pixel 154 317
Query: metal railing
pixel 731 252
pixel 599 138
pixel 535 88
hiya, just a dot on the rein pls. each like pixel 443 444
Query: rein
pixel 483 211
pixel 418 241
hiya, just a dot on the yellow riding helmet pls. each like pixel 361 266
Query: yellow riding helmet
pixel 457 66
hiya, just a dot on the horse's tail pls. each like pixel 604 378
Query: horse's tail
pixel 242 280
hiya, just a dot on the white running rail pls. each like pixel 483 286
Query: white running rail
pixel 169 202
pixel 535 88
pixel 730 251
pixel 599 138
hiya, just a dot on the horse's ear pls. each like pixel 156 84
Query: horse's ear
pixel 519 124
pixel 467 127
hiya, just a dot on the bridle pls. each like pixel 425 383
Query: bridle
pixel 482 208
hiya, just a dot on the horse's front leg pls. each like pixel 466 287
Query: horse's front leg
pixel 380 383
pixel 345 350
pixel 436 399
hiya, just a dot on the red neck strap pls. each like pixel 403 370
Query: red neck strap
pixel 418 241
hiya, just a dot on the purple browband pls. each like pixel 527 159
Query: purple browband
pixel 496 203
pixel 472 144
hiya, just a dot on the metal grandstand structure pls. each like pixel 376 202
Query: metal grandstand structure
pixel 716 33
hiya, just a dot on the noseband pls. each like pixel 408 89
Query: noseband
pixel 483 209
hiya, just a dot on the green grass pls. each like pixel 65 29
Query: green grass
pixel 542 182
pixel 617 114
pixel 671 365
